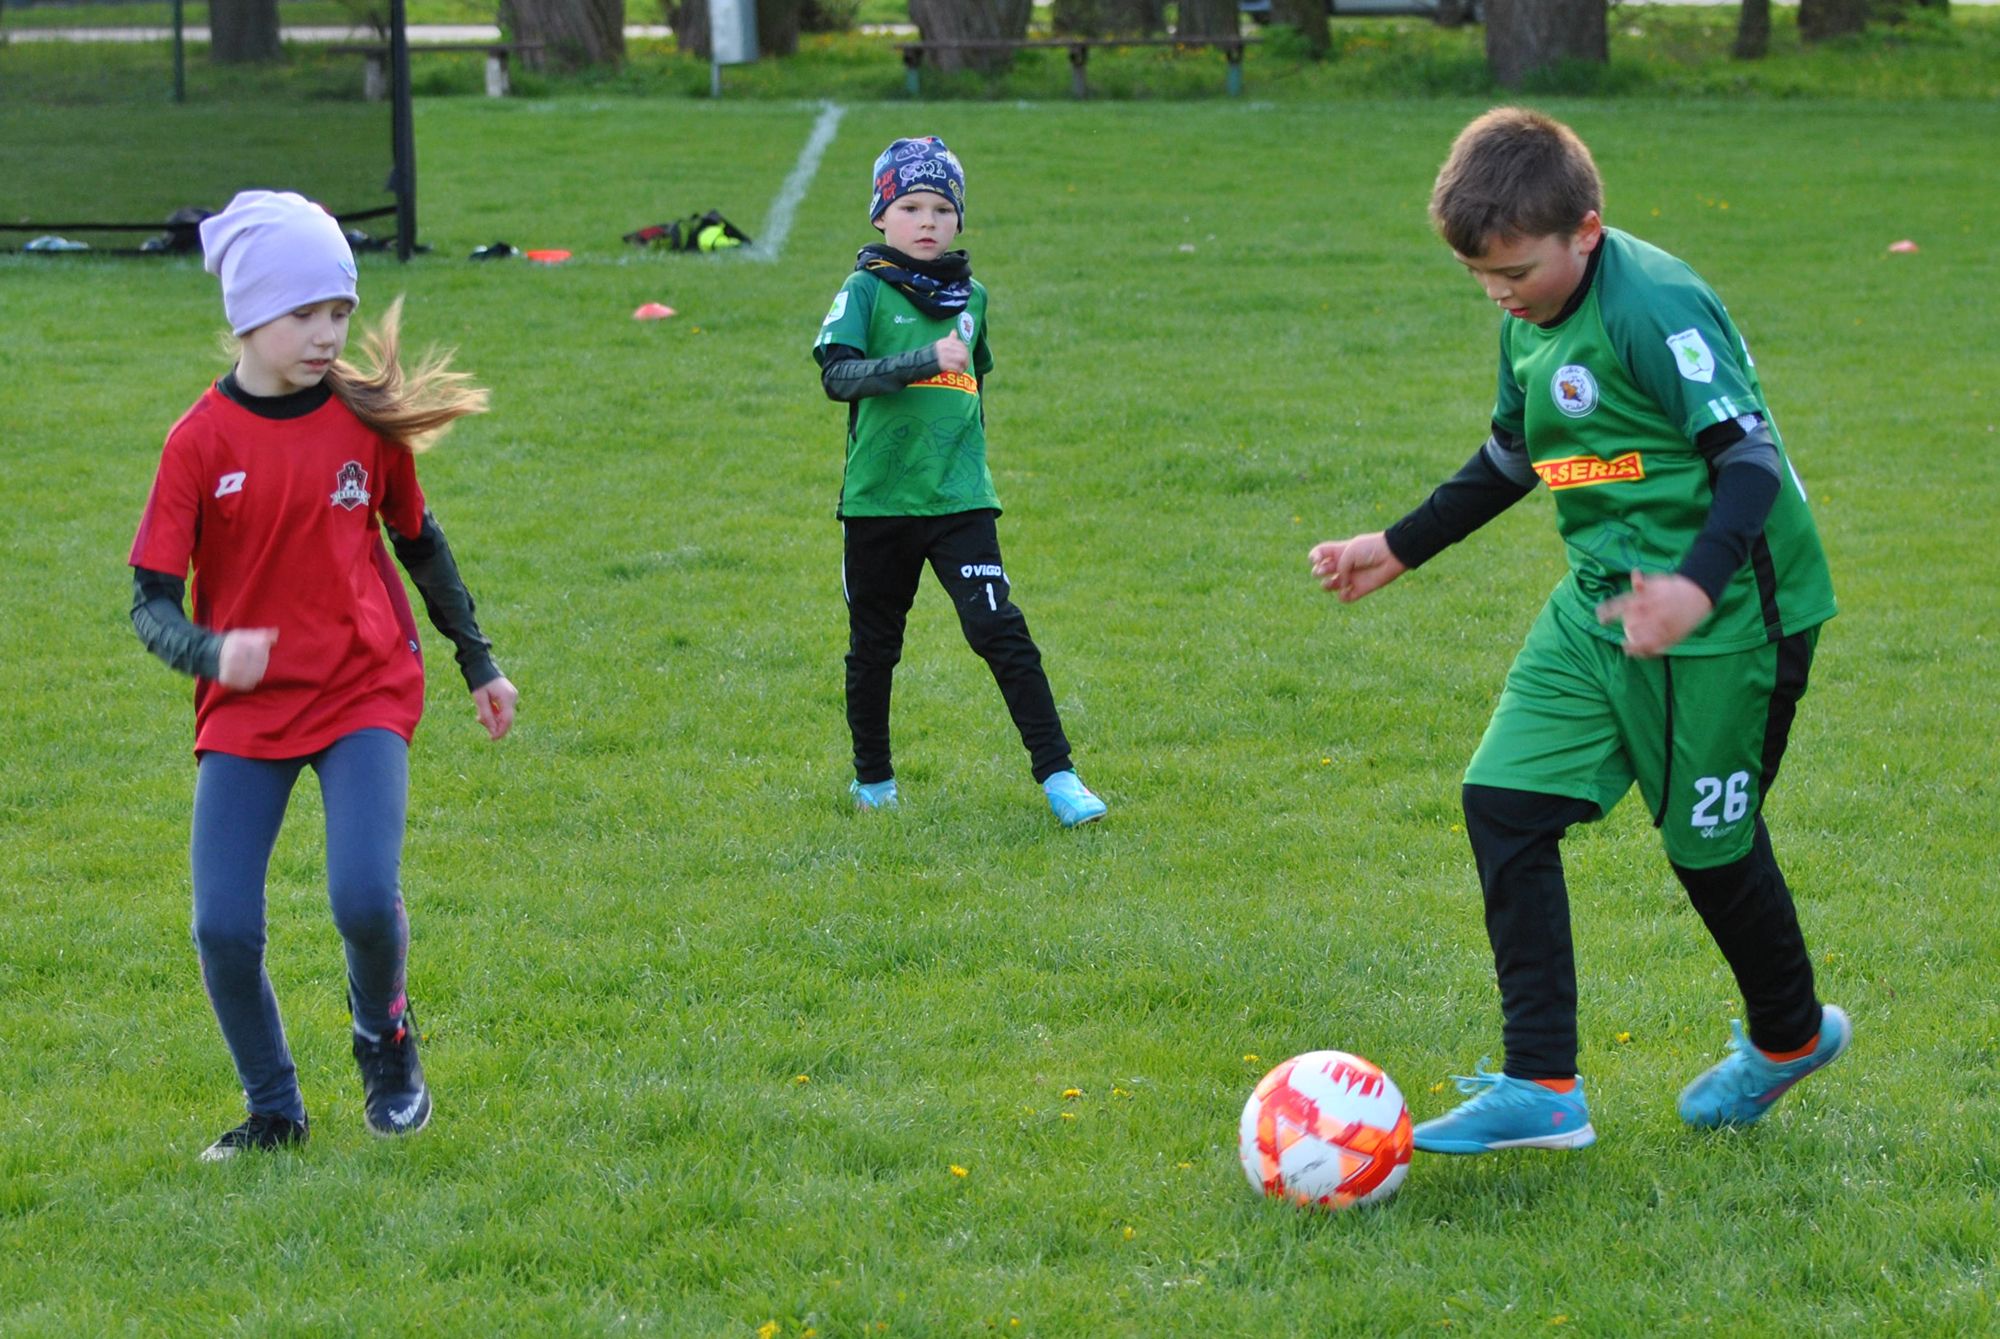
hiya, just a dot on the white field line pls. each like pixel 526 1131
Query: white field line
pixel 770 243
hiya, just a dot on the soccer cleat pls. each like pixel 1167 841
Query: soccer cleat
pixel 869 795
pixel 260 1131
pixel 1745 1084
pixel 1508 1113
pixel 394 1098
pixel 1071 800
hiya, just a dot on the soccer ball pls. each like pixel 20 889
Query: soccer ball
pixel 1327 1129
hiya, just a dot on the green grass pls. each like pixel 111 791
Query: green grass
pixel 643 917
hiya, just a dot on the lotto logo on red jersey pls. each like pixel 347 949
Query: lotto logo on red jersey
pixel 1588 471
pixel 350 486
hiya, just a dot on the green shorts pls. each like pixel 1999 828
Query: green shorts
pixel 1702 735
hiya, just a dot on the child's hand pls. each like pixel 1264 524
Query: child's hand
pixel 1657 613
pixel 1355 567
pixel 246 654
pixel 952 355
pixel 494 701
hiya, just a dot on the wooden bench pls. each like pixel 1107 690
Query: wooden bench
pixel 375 73
pixel 1079 49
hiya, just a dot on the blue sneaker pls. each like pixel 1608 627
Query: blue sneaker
pixel 1508 1113
pixel 1745 1085
pixel 1071 800
pixel 874 795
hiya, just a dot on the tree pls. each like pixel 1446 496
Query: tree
pixel 970 21
pixel 1523 36
pixel 1308 19
pixel 573 33
pixel 1753 31
pixel 242 32
pixel 1208 18
pixel 1821 19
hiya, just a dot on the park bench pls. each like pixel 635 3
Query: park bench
pixel 1079 49
pixel 375 72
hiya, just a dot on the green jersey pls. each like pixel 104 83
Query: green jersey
pixel 1610 402
pixel 922 450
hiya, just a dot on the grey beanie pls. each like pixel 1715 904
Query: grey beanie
pixel 275 251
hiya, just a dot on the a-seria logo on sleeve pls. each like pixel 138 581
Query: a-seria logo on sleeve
pixel 350 486
pixel 1574 390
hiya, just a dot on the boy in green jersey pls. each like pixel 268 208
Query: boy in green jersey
pixel 1674 652
pixel 904 346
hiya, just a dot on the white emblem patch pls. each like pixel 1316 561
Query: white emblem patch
pixel 1574 390
pixel 1692 356
pixel 965 326
pixel 839 308
pixel 231 482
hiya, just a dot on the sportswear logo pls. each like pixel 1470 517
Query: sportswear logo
pixel 970 570
pixel 839 308
pixel 965 326
pixel 350 486
pixel 904 320
pixel 1692 356
pixel 1574 390
pixel 405 1115
pixel 951 381
pixel 1586 471
pixel 231 482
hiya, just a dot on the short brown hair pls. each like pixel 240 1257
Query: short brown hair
pixel 1513 173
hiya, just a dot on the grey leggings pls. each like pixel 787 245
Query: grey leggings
pixel 239 803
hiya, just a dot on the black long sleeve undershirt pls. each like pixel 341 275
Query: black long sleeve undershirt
pixel 159 615
pixel 1481 490
pixel 848 375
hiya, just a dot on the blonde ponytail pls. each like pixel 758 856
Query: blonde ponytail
pixel 410 408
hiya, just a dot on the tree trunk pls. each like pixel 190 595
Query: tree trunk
pixel 1895 11
pixel 1523 36
pixel 1308 19
pixel 1753 31
pixel 1208 18
pixel 243 32
pixel 573 33
pixel 1453 13
pixel 970 21
pixel 778 27
pixel 1821 19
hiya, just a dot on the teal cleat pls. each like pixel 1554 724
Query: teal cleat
pixel 1508 1113
pixel 1744 1084
pixel 872 795
pixel 1071 800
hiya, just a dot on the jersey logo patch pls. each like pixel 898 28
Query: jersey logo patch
pixel 965 327
pixel 1586 471
pixel 839 308
pixel 1693 356
pixel 1574 390
pixel 231 482
pixel 951 381
pixel 350 486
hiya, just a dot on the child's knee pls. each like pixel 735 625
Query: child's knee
pixel 368 909
pixel 227 944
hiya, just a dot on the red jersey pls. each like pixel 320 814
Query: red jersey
pixel 278 520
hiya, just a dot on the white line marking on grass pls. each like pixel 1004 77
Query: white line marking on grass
pixel 770 244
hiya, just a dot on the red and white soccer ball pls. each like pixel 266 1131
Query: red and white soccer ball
pixel 1327 1129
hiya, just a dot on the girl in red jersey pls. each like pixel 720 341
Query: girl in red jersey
pixel 275 487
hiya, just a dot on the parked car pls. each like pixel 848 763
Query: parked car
pixel 1260 10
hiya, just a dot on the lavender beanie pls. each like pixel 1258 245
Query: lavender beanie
pixel 275 252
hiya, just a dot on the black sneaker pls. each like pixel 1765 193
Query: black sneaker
pixel 260 1131
pixel 392 1082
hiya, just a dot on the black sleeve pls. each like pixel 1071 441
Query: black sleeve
pixel 848 376
pixel 427 558
pixel 1497 476
pixel 162 624
pixel 1745 461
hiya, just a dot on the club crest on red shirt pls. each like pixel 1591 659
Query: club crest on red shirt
pixel 350 486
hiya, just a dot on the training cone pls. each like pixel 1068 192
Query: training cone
pixel 1904 247
pixel 548 257
pixel 652 311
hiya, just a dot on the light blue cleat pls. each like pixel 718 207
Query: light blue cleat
pixel 1745 1084
pixel 874 795
pixel 1071 800
pixel 1508 1113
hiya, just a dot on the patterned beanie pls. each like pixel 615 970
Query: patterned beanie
pixel 917 165
pixel 275 252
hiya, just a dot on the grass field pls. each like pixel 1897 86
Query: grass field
pixel 707 1047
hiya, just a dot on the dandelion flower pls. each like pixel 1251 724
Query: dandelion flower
pixel 957 1170
pixel 768 1330
pixel 802 1078
pixel 1070 1094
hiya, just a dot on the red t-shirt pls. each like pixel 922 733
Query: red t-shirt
pixel 278 520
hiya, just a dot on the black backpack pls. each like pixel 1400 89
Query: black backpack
pixel 696 232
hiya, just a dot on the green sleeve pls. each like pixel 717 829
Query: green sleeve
pixel 1683 352
pixel 1510 404
pixel 848 319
